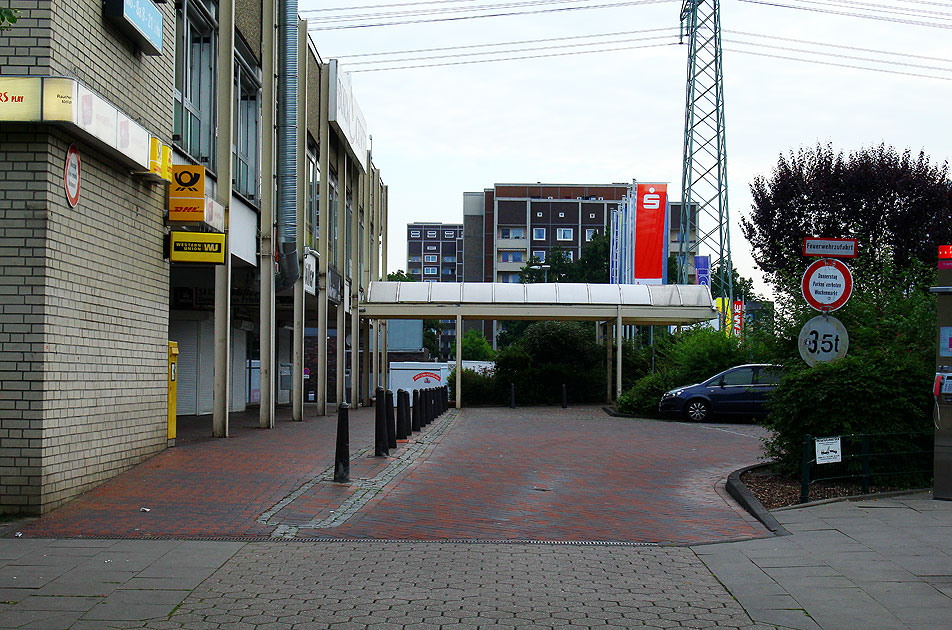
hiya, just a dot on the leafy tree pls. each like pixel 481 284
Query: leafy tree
pixel 898 206
pixel 8 17
pixel 592 265
pixel 400 276
pixel 475 347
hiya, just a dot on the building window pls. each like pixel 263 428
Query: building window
pixel 510 278
pixel 449 234
pixel 512 233
pixel 247 131
pixel 569 255
pixel 430 271
pixel 195 88
pixel 431 248
pixel 510 256
pixel 591 215
pixel 414 259
pixel 414 233
pixel 431 280
pixel 415 271
pixel 589 234
pixel 449 259
pixel 430 258
pixel 538 234
pixel 311 222
pixel 540 254
pixel 561 215
pixel 448 271
pixel 431 234
pixel 563 234
pixel 333 200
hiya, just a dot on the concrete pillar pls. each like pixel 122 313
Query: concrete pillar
pixel 618 332
pixel 266 327
pixel 297 353
pixel 225 105
pixel 323 229
pixel 459 361
pixel 608 362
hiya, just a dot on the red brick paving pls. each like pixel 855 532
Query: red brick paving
pixel 538 473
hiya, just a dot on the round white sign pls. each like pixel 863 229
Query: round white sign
pixel 72 175
pixel 823 338
pixel 827 284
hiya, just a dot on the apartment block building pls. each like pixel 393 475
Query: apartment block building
pixel 435 254
pixel 115 110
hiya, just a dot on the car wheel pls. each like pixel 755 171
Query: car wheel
pixel 697 410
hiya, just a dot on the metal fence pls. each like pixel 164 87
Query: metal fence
pixel 901 460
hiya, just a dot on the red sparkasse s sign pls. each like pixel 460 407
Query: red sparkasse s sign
pixel 651 233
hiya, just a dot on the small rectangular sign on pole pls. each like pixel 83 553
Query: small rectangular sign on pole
pixel 828 450
pixel 830 247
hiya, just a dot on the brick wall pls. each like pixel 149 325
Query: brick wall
pixel 83 321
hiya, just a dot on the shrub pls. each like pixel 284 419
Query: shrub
pixel 880 391
pixel 479 388
pixel 642 399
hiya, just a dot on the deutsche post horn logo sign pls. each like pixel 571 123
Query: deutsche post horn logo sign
pixel 187 193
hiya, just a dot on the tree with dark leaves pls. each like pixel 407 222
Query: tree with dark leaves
pixel 896 205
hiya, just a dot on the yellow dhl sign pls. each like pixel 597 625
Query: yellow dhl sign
pixel 200 247
pixel 187 193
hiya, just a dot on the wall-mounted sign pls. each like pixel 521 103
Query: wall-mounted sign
pixel 335 286
pixel 830 247
pixel 20 98
pixel 140 20
pixel 214 214
pixel 197 247
pixel 72 176
pixel 827 284
pixel 160 159
pixel 945 256
pixel 828 450
pixel 346 115
pixel 59 99
pixel 702 269
pixel 310 274
pixel 187 193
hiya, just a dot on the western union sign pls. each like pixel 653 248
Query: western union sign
pixel 197 247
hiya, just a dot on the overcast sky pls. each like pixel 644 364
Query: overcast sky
pixel 617 116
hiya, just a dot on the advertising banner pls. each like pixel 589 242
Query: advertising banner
pixel 702 268
pixel 737 317
pixel 651 234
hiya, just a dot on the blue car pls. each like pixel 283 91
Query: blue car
pixel 739 391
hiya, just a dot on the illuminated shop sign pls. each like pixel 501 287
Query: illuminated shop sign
pixel 139 20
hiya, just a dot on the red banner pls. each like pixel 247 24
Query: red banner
pixel 737 316
pixel 651 238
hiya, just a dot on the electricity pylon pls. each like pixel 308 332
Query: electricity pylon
pixel 704 175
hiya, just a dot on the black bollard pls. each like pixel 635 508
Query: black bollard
pixel 342 452
pixel 424 408
pixel 380 424
pixel 512 395
pixel 415 416
pixel 565 398
pixel 391 421
pixel 446 397
pixel 427 406
pixel 403 423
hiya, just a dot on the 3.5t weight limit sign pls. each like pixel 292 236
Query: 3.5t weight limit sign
pixel 827 284
pixel 823 338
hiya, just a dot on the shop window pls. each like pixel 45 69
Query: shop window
pixel 195 80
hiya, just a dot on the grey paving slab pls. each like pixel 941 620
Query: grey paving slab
pixel 57 603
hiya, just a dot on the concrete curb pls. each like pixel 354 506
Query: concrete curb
pixel 747 500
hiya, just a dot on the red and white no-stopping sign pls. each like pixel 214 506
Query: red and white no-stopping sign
pixel 71 176
pixel 827 284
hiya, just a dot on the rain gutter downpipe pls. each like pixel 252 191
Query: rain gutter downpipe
pixel 286 216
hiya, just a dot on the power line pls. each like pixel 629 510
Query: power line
pixel 472 61
pixel 853 57
pixel 880 8
pixel 489 15
pixel 841 46
pixel 510 43
pixel 509 4
pixel 843 65
pixel 848 14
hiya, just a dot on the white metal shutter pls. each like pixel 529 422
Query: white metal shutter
pixel 206 366
pixel 186 334
pixel 284 357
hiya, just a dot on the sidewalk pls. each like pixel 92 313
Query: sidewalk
pixel 875 564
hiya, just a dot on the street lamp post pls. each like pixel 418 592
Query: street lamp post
pixel 545 270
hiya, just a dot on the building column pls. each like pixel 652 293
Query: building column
pixel 385 356
pixel 365 360
pixel 618 355
pixel 297 353
pixel 459 361
pixel 266 345
pixel 225 105
pixel 323 157
pixel 608 362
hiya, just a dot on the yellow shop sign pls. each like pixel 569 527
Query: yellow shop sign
pixel 197 247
